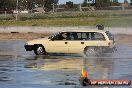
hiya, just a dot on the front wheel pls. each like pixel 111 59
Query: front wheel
pixel 39 50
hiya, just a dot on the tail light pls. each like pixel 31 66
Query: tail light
pixel 108 43
pixel 113 41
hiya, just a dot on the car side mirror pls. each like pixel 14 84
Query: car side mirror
pixel 52 39
pixel 49 37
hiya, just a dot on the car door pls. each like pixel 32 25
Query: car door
pixel 57 44
pixel 80 40
pixel 77 42
pixel 96 39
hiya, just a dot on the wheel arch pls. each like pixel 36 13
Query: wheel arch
pixel 88 47
pixel 37 45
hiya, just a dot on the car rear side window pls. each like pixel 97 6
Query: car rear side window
pixel 79 36
pixel 95 36
pixel 84 36
pixel 99 36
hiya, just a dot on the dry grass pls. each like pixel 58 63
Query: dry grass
pixel 108 18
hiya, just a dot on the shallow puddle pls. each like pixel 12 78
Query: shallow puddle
pixel 24 69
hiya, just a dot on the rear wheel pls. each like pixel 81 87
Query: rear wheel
pixel 90 51
pixel 39 50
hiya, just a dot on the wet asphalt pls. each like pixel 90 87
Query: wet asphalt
pixel 22 69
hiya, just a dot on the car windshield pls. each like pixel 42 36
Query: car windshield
pixel 110 36
pixel 53 35
pixel 50 37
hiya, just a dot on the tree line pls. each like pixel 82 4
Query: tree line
pixel 31 4
pixel 26 4
pixel 104 3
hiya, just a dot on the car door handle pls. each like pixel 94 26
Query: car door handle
pixel 82 42
pixel 66 42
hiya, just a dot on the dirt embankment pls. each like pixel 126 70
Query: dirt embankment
pixel 22 36
pixel 125 38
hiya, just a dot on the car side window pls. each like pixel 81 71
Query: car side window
pixel 97 36
pixel 84 36
pixel 88 36
pixel 78 36
pixel 57 37
pixel 74 36
pixel 62 36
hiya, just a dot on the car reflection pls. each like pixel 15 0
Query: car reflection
pixel 98 67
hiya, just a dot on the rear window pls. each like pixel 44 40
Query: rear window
pixel 110 36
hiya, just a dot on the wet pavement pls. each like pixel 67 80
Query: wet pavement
pixel 22 69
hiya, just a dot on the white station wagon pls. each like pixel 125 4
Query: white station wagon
pixel 74 41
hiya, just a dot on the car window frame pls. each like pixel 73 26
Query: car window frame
pixel 81 36
pixel 87 37
pixel 110 35
pixel 56 35
pixel 104 38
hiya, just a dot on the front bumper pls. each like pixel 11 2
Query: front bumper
pixel 29 47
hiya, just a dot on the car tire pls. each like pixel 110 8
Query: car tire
pixel 90 51
pixel 39 50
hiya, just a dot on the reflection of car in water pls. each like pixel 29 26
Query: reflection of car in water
pixel 79 41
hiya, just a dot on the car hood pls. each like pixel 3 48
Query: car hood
pixel 37 41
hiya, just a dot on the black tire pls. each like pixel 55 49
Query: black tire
pixel 39 50
pixel 90 51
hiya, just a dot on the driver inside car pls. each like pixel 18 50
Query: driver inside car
pixel 66 36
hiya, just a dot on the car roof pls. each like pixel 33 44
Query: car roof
pixel 84 30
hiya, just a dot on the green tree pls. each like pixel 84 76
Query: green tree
pixel 7 4
pixel 30 4
pixel 26 4
pixel 131 2
pixel 48 3
pixel 125 1
pixel 2 4
pixel 84 3
pixel 69 4
pixel 115 1
pixel 40 3
pixel 101 4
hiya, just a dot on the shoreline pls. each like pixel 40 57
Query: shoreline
pixel 22 36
